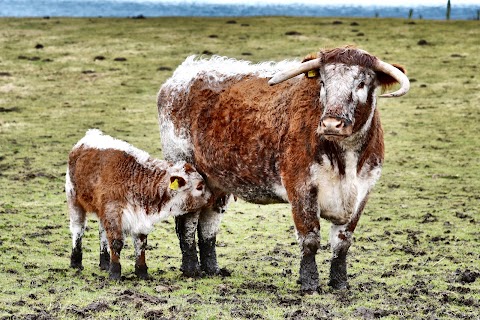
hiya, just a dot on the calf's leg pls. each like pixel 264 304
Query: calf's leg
pixel 186 227
pixel 140 243
pixel 104 253
pixel 77 228
pixel 111 220
pixel 116 246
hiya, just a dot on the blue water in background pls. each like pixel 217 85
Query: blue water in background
pixel 112 8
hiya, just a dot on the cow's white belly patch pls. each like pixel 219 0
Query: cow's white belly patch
pixel 340 196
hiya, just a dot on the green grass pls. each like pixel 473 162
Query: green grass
pixel 419 233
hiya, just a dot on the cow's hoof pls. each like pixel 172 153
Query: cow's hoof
pixel 191 271
pixel 308 292
pixel 211 271
pixel 339 285
pixel 224 272
pixel 308 289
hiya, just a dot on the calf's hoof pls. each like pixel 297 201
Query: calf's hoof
pixel 104 262
pixel 76 264
pixel 142 272
pixel 104 265
pixel 76 260
pixel 115 271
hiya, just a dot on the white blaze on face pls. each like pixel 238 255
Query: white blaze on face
pixel 344 88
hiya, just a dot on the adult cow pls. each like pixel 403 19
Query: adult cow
pixel 314 140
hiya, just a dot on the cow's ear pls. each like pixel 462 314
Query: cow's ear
pixel 386 80
pixel 310 56
pixel 176 182
pixel 311 73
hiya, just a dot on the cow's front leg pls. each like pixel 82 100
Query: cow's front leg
pixel 308 228
pixel 208 225
pixel 340 241
pixel 186 227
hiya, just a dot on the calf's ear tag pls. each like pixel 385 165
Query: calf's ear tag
pixel 174 184
pixel 312 74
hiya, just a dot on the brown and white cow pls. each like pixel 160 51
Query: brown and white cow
pixel 129 191
pixel 314 139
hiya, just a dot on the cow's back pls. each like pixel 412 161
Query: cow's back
pixel 233 129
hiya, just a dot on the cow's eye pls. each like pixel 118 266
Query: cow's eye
pixel 361 85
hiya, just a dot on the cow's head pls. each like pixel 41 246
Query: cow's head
pixel 348 79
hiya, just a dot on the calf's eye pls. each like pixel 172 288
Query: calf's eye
pixel 361 85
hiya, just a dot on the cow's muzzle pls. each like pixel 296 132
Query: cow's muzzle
pixel 335 129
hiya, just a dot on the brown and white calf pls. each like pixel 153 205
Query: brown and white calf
pixel 129 191
pixel 306 133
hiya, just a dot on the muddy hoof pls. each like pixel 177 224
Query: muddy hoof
pixel 338 285
pixel 115 271
pixel 191 271
pixel 224 272
pixel 142 273
pixel 76 259
pixel 115 276
pixel 308 292
pixel 76 265
pixel 104 265
pixel 104 262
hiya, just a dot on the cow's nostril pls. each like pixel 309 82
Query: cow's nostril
pixel 332 124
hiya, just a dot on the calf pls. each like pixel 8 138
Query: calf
pixel 129 192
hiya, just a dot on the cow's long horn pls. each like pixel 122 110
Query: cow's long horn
pixel 397 75
pixel 288 74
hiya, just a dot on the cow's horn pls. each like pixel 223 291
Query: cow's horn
pixel 288 74
pixel 397 75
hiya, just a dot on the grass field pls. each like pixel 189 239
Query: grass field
pixel 416 253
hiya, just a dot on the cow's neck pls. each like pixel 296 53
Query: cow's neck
pixel 351 154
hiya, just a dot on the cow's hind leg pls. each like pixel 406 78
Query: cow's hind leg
pixel 140 244
pixel 208 225
pixel 186 227
pixel 77 228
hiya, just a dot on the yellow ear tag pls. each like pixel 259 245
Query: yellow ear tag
pixel 174 184
pixel 312 74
